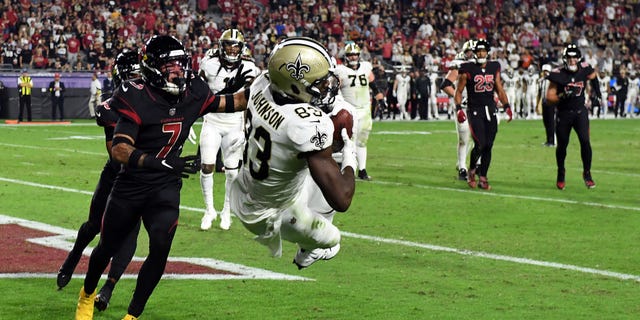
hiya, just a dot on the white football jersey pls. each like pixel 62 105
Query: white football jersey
pixel 354 84
pixel 510 81
pixel 217 76
pixel 272 175
pixel 530 80
pixel 404 84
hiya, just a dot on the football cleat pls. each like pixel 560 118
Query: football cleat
pixel 103 297
pixel 462 174
pixel 588 181
pixel 129 317
pixel 225 219
pixel 209 216
pixel 63 279
pixel 471 179
pixel 484 184
pixel 362 174
pixel 560 183
pixel 84 310
pixel 305 258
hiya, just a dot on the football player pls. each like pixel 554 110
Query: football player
pixel 530 81
pixel 402 90
pixel 289 138
pixel 566 91
pixel 225 72
pixel 355 76
pixel 126 67
pixel 481 79
pixel 155 115
pixel 462 125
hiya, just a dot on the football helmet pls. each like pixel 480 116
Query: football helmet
pixel 156 54
pixel 467 49
pixel 571 51
pixel 546 67
pixel 246 54
pixel 300 68
pixel 231 45
pixel 352 49
pixel 126 66
pixel 481 45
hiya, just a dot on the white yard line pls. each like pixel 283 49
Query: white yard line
pixel 480 254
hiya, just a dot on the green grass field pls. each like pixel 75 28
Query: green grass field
pixel 417 243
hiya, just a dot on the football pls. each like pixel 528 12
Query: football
pixel 342 119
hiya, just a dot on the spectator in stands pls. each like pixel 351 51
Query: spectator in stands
pixel 73 47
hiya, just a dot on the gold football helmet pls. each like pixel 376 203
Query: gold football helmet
pixel 231 44
pixel 300 68
pixel 352 50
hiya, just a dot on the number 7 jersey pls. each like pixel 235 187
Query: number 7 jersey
pixel 273 171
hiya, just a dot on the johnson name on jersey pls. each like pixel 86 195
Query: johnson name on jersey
pixel 276 137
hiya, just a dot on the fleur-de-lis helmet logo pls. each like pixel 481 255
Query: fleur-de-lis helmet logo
pixel 297 68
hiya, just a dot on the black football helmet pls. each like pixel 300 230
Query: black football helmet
pixel 126 66
pixel 571 51
pixel 481 44
pixel 157 52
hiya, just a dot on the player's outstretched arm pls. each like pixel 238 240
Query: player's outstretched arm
pixel 338 186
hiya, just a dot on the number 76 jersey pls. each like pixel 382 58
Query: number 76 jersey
pixel 273 171
pixel 354 84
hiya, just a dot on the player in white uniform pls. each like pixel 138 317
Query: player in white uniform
pixel 433 99
pixel 288 139
pixel 512 86
pixel 225 72
pixel 632 94
pixel 355 77
pixel 462 127
pixel 604 81
pixel 402 90
pixel 530 80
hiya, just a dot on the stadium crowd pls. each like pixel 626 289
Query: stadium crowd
pixel 69 35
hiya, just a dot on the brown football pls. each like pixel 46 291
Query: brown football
pixel 343 119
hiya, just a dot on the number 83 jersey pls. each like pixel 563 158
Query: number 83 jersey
pixel 274 167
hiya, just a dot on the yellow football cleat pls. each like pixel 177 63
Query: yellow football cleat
pixel 84 310
pixel 129 317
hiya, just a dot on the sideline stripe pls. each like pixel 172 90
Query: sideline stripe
pixel 480 254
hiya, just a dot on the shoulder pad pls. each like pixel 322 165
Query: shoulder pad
pixel 310 135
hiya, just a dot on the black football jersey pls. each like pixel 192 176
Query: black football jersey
pixel 564 78
pixel 481 81
pixel 162 127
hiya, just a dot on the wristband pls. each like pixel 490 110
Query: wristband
pixel 134 157
pixel 458 107
pixel 119 139
pixel 506 106
pixel 229 104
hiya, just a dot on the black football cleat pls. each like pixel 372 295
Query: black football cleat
pixel 362 174
pixel 462 174
pixel 103 297
pixel 63 279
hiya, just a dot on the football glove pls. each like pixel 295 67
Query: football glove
pixel 507 110
pixel 462 117
pixel 348 152
pixel 181 166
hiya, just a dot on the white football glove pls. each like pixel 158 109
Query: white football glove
pixel 348 152
pixel 192 136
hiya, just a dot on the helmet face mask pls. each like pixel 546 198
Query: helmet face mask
pixel 352 54
pixel 481 46
pixel 468 48
pixel 231 46
pixel 127 66
pixel 571 56
pixel 300 68
pixel 166 65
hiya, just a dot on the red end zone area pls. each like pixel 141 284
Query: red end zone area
pixel 33 249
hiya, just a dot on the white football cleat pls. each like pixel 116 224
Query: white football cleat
pixel 225 220
pixel 209 216
pixel 305 258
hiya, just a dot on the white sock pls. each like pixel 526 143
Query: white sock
pixel 230 175
pixel 206 183
pixel 361 154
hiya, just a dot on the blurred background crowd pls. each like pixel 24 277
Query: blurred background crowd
pixel 76 35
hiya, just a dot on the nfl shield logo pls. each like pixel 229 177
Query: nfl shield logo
pixel 172 112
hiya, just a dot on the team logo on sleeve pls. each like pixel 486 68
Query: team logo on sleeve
pixel 297 68
pixel 319 138
pixel 172 112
